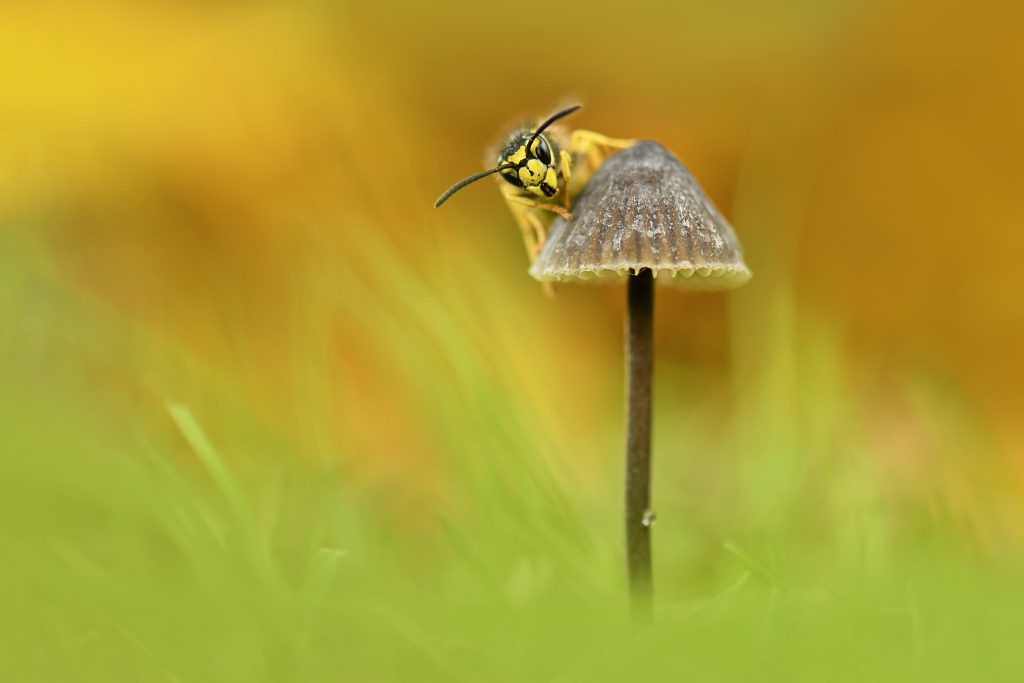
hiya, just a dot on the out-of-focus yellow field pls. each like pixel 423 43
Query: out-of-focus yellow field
pixel 231 204
pixel 182 163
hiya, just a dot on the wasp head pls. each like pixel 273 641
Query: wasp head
pixel 528 163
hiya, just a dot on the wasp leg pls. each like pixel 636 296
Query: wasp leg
pixel 530 224
pixel 565 161
pixel 592 149
pixel 534 204
pixel 533 228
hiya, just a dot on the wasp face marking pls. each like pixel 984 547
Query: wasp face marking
pixel 528 163
pixel 530 169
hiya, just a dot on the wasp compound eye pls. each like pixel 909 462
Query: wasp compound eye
pixel 542 151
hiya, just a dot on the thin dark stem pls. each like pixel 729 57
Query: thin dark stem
pixel 639 363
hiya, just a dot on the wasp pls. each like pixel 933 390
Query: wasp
pixel 543 167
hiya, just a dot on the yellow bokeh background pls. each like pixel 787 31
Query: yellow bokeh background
pixel 211 179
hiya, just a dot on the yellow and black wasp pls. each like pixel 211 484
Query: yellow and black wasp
pixel 543 167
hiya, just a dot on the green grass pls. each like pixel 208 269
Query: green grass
pixel 189 540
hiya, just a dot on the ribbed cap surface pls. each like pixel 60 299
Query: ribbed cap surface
pixel 644 209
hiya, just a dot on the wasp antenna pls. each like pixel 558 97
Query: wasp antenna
pixel 462 183
pixel 551 119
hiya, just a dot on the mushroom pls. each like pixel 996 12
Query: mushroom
pixel 642 215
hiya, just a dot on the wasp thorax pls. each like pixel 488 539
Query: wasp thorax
pixel 527 163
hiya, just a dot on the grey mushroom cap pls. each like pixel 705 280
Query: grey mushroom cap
pixel 644 209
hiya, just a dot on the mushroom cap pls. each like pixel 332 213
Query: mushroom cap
pixel 644 209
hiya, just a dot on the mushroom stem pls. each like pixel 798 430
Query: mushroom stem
pixel 639 363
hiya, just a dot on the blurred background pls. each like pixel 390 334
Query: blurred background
pixel 249 370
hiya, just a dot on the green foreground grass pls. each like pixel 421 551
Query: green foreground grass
pixel 133 548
